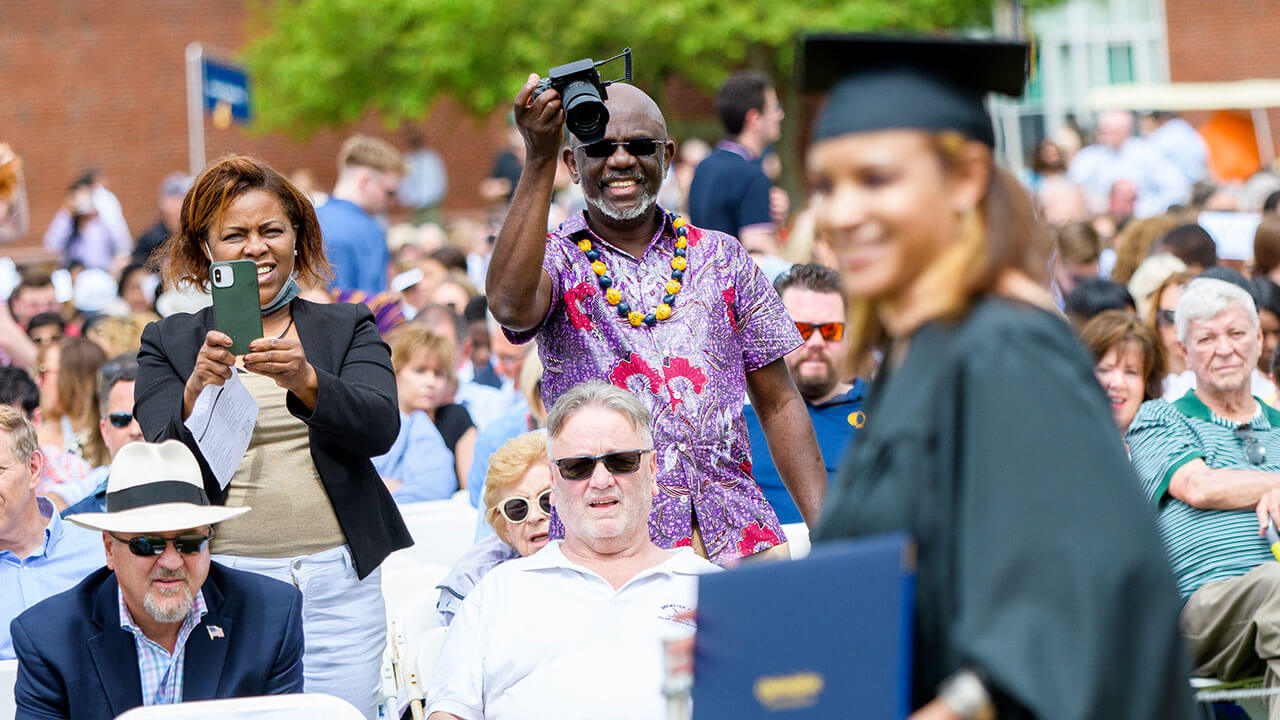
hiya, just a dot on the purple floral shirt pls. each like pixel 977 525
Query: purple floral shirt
pixel 690 369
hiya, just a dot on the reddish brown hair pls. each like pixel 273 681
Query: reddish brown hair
pixel 221 184
pixel 1113 328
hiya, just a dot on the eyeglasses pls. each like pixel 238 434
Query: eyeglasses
pixel 831 331
pixel 120 419
pixel 617 463
pixel 1166 318
pixel 639 147
pixel 1254 451
pixel 516 509
pixel 153 545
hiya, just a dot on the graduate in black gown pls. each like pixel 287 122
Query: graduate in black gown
pixel 1042 588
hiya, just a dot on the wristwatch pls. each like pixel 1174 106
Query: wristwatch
pixel 966 696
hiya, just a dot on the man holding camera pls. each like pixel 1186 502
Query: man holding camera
pixel 629 293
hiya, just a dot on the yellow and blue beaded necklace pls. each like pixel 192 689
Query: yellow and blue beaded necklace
pixel 614 297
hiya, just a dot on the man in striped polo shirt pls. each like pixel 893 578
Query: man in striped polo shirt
pixel 1210 463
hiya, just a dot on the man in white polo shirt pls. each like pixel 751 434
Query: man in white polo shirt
pixel 575 630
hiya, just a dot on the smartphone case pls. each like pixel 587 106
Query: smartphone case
pixel 236 311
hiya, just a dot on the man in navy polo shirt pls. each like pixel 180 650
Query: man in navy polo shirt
pixel 730 191
pixel 812 296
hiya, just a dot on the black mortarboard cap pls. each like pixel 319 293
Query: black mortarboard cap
pixel 880 82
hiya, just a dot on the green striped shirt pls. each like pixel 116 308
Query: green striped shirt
pixel 1203 545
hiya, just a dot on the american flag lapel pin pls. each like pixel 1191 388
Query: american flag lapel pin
pixel 215 632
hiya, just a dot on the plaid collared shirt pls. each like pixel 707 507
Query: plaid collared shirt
pixel 161 672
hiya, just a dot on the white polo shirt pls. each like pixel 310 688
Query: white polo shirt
pixel 543 637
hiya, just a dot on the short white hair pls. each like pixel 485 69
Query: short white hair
pixel 1205 298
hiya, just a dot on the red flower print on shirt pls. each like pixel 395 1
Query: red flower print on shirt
pixel 683 542
pixel 572 297
pixel 756 539
pixel 682 368
pixel 694 237
pixel 729 297
pixel 634 365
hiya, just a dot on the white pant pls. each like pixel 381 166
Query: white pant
pixel 344 622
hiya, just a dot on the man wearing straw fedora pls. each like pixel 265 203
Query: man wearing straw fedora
pixel 160 623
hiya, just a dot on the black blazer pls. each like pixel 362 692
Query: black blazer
pixel 75 661
pixel 356 415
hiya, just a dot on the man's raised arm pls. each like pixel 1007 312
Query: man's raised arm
pixel 519 292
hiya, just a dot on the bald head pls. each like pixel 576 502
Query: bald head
pixel 1114 127
pixel 631 103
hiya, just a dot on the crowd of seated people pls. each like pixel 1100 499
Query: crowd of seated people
pixel 384 378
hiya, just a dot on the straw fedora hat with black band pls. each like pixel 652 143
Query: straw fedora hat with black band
pixel 155 488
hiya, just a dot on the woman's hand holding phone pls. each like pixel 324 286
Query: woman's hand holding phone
pixel 214 365
pixel 284 361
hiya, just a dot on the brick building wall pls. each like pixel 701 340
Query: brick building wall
pixel 100 85
pixel 1223 40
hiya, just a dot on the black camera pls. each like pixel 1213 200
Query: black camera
pixel 583 94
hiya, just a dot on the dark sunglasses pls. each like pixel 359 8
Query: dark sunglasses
pixel 120 419
pixel 617 463
pixel 1254 451
pixel 1166 318
pixel 831 331
pixel 153 545
pixel 639 147
pixel 516 509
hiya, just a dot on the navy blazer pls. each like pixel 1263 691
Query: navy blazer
pixel 75 661
pixel 355 418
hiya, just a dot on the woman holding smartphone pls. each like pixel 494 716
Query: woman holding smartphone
pixel 326 395
pixel 1042 589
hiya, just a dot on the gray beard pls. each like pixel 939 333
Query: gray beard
pixel 648 199
pixel 170 614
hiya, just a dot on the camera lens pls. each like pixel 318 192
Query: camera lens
pixel 585 114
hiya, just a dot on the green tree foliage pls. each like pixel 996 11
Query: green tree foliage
pixel 319 63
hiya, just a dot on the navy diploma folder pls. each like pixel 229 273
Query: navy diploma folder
pixel 826 636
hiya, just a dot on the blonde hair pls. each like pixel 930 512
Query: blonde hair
pixel 1000 235
pixel 370 152
pixel 408 340
pixel 23 442
pixel 507 466
pixel 117 335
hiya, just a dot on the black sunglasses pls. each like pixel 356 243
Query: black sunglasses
pixel 120 419
pixel 617 463
pixel 1254 451
pixel 638 147
pixel 831 332
pixel 152 545
pixel 516 509
pixel 1166 318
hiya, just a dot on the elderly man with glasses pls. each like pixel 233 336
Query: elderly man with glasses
pixel 161 623
pixel 1210 463
pixel 630 293
pixel 575 630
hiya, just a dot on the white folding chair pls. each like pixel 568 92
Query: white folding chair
pixel 8 676
pixel 307 706
pixel 1249 694
pixel 442 530
pixel 423 653
pixel 797 539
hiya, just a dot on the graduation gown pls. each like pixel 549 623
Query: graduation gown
pixel 1039 566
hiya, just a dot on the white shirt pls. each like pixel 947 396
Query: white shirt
pixel 1159 183
pixel 543 637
